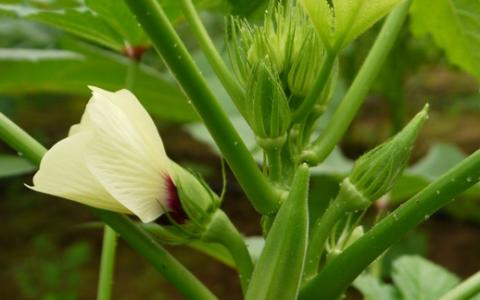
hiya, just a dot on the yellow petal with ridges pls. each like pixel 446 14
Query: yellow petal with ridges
pixel 126 154
pixel 63 173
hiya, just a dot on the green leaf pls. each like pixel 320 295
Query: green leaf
pixel 79 21
pixel 117 15
pixel 454 26
pixel 369 14
pixel 418 278
pixel 59 71
pixel 11 165
pixel 373 289
pixel 279 271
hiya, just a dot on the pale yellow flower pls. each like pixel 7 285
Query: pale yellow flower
pixel 114 160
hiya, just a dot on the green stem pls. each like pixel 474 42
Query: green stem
pixel 319 235
pixel 211 53
pixel 131 74
pixel 150 15
pixel 342 271
pixel 163 261
pixel 107 264
pixel 465 290
pixel 274 165
pixel 134 235
pixel 222 231
pixel 21 141
pixel 317 89
pixel 339 123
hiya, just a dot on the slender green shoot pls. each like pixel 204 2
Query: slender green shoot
pixel 211 53
pixel 465 290
pixel 107 264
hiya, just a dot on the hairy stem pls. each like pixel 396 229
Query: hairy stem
pixel 211 53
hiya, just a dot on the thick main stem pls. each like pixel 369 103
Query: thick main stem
pixel 151 16
pixel 211 53
pixel 107 264
pixel 324 145
pixel 138 238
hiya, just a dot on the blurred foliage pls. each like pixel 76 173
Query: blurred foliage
pixel 414 278
pixel 47 276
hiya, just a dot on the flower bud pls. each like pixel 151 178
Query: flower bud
pixel 304 70
pixel 266 106
pixel 195 206
pixel 374 174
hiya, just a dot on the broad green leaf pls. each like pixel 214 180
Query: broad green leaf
pixel 79 21
pixel 11 165
pixel 117 15
pixel 279 271
pixel 373 289
pixel 418 278
pixel 59 71
pixel 369 14
pixel 454 26
pixel 349 19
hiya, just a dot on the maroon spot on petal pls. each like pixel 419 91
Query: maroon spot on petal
pixel 173 205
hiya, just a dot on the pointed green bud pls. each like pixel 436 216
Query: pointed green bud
pixel 305 68
pixel 192 207
pixel 266 106
pixel 340 24
pixel 374 174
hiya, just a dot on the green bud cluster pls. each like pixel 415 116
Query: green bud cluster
pixel 277 64
pixel 374 174
pixel 281 39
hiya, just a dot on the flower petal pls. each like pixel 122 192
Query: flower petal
pixel 124 156
pixel 85 124
pixel 139 117
pixel 64 173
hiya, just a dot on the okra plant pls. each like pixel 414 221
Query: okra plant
pixel 281 75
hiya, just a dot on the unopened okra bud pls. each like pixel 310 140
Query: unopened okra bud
pixel 374 174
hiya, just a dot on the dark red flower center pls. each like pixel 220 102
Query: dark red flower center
pixel 173 205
